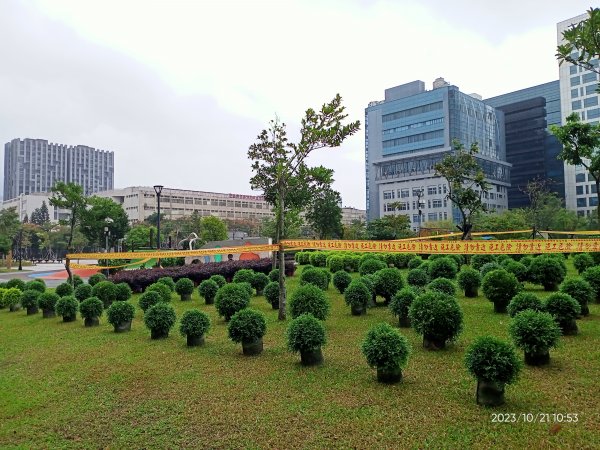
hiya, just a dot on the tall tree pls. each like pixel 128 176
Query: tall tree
pixel 69 196
pixel 324 213
pixel 280 169
pixel 213 229
pixel 581 146
pixel 582 43
pixel 357 230
pixel 389 227
pixel 466 183
pixel 139 236
pixel 40 216
pixel 103 212
pixel 9 227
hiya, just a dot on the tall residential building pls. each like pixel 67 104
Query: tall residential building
pixel 409 131
pixel 35 165
pixel 578 94
pixel 530 147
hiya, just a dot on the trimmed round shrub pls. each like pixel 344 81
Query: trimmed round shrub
pixel 248 287
pixel 96 278
pixel 596 257
pixel 247 325
pixel 82 292
pixel 303 257
pixel 500 286
pixel 437 317
pixel 15 283
pixel 122 292
pixel 168 281
pixel 400 304
pixel 274 275
pixel 518 269
pixel 385 348
pixel 64 289
pixel 488 267
pixel 271 293
pixel 77 281
pixel 106 291
pixel 564 309
pixel 219 279
pixel 36 285
pixel 194 323
pixel 67 307
pixel 592 276
pixel 443 268
pixel 12 297
pixel 351 262
pixel 184 287
pixel 490 359
pixel 478 261
pixel 318 259
pixel 119 312
pixel 149 299
pixel 243 276
pixel 369 282
pixel 29 298
pixel 305 333
pixel 388 282
pixel 580 290
pixel 583 261
pixel 259 282
pixel 230 299
pixel 307 267
pixel 316 277
pixel 160 318
pixel 417 277
pixel 523 301
pixel 309 299
pixel 547 271
pixel 469 280
pixel 91 308
pixel 458 259
pixel 534 332
pixel 341 280
pixel 414 262
pixel 357 295
pixel 526 260
pixel 207 290
pixel 47 301
pixel 162 289
pixel 336 263
pixel 443 285
pixel 370 266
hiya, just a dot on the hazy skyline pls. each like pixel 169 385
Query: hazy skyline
pixel 179 90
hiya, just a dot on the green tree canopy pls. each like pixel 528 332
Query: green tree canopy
pixel 40 216
pixel 213 229
pixel 324 213
pixel 139 236
pixel 9 227
pixel 389 227
pixel 103 212
pixel 466 182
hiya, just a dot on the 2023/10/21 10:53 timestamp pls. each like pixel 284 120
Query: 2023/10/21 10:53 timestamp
pixel 535 417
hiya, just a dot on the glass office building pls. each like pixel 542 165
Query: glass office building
pixel 530 147
pixel 409 131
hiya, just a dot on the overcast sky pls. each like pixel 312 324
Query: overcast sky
pixel 180 89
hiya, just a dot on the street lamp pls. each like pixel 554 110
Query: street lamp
pixel 21 248
pixel 107 221
pixel 158 189
pixel 419 206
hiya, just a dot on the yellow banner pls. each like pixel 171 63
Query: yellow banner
pixel 176 253
pixel 593 233
pixel 523 246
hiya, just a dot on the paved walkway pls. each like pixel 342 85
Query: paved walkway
pixel 40 270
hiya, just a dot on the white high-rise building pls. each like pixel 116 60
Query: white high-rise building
pixel 35 165
pixel 578 94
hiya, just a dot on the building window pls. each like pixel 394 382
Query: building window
pixel 593 189
pixel 431 190
pixel 589 77
pixel 581 202
pixel 592 101
pixel 593 113
pixel 412 111
pixel 576 104
pixel 404 193
pixel 575 81
pixel 590 89
pixel 415 218
pixel 572 70
pixel 580 178
pixel 593 201
pixel 417 191
pixel 579 190
pixel 388 195
pixel 432 216
pixel 437 203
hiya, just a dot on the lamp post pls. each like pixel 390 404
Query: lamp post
pixel 158 189
pixel 107 222
pixel 21 248
pixel 419 206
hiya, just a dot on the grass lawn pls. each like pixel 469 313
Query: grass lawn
pixel 66 386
